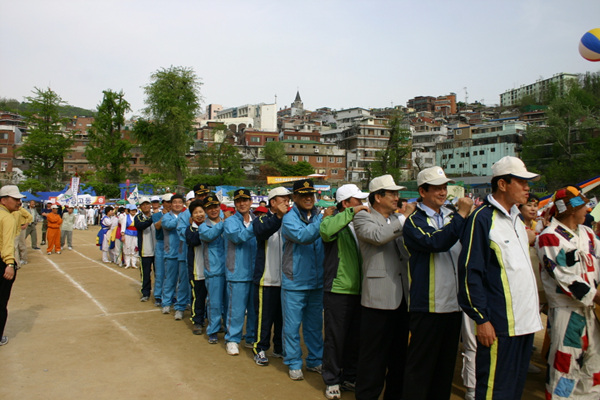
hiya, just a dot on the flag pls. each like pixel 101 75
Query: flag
pixel 134 196
pixel 219 195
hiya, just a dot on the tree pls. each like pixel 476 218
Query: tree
pixel 275 153
pixel 46 144
pixel 107 151
pixel 301 168
pixel 172 99
pixel 394 156
pixel 566 150
pixel 224 159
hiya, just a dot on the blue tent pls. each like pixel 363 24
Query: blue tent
pixel 29 197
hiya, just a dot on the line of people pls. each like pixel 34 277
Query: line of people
pixel 366 276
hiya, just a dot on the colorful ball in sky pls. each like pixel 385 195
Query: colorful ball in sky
pixel 589 46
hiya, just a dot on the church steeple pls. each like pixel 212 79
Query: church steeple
pixel 298 102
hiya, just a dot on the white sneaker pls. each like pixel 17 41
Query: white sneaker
pixel 232 348
pixel 333 392
pixel 296 374
pixel 166 309
pixel 178 315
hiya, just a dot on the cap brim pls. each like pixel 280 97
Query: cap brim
pixel 361 195
pixel 440 181
pixel 528 176
pixel 305 191
pixel 394 187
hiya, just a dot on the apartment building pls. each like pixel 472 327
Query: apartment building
pixel 538 89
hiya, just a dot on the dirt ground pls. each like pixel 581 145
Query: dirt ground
pixel 77 330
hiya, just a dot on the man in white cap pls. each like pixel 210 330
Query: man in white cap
pixel 267 275
pixel 10 201
pixel 431 235
pixel 159 249
pixel 146 241
pixel 341 291
pixel 497 284
pixel 384 298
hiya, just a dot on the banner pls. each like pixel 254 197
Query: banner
pixel 273 180
pixel 134 196
pixel 82 200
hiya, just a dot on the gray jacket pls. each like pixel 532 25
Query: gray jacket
pixel 385 261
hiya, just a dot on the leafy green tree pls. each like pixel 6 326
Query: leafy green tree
pixel 565 151
pixel 397 152
pixel 110 190
pixel 32 185
pixel 301 168
pixel 46 144
pixel 275 153
pixel 224 159
pixel 107 151
pixel 166 134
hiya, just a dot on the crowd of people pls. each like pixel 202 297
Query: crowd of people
pixel 384 291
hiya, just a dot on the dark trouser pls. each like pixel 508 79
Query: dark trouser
pixel 32 230
pixel 199 293
pixel 431 355
pixel 384 339
pixel 340 348
pixel 44 230
pixel 267 303
pixel 146 274
pixel 501 369
pixel 5 287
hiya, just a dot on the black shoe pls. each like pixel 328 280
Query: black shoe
pixel 35 248
pixel 43 243
pixel 197 329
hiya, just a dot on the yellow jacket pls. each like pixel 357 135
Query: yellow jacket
pixel 8 232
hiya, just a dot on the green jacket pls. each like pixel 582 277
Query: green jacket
pixel 343 262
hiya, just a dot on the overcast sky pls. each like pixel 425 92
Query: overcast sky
pixel 339 54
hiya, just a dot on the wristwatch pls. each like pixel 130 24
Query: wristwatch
pixel 15 267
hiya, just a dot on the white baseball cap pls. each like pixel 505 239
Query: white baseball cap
pixel 53 206
pixel 279 191
pixel 385 182
pixel 11 191
pixel 144 199
pixel 433 176
pixel 190 195
pixel 509 165
pixel 155 199
pixel 167 196
pixel 349 190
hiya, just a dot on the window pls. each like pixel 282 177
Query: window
pixel 302 146
pixel 339 160
pixel 319 159
pixel 483 165
pixel 331 159
pixel 4 136
pixel 481 152
pixel 305 158
pixel 460 165
pixel 334 171
pixel 452 166
pixel 4 150
pixel 474 166
pixel 294 158
pixel 255 139
pixel 493 149
pixel 270 139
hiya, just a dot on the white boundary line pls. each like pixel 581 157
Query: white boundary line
pixel 93 299
pixel 108 268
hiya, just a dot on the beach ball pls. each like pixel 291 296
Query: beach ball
pixel 589 46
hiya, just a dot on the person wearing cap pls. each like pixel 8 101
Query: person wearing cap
pixel 130 236
pixel 260 211
pixel 241 253
pixel 342 277
pixel 159 249
pixel 45 210
pixel 54 221
pixel 569 251
pixel 176 283
pixel 146 242
pixel 66 232
pixel 497 286
pixel 431 236
pixel 10 202
pixel 195 263
pixel 155 203
pixel 89 213
pixel 211 234
pixel 302 281
pixel 106 224
pixel 384 293
pixel 32 227
pixel 267 275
